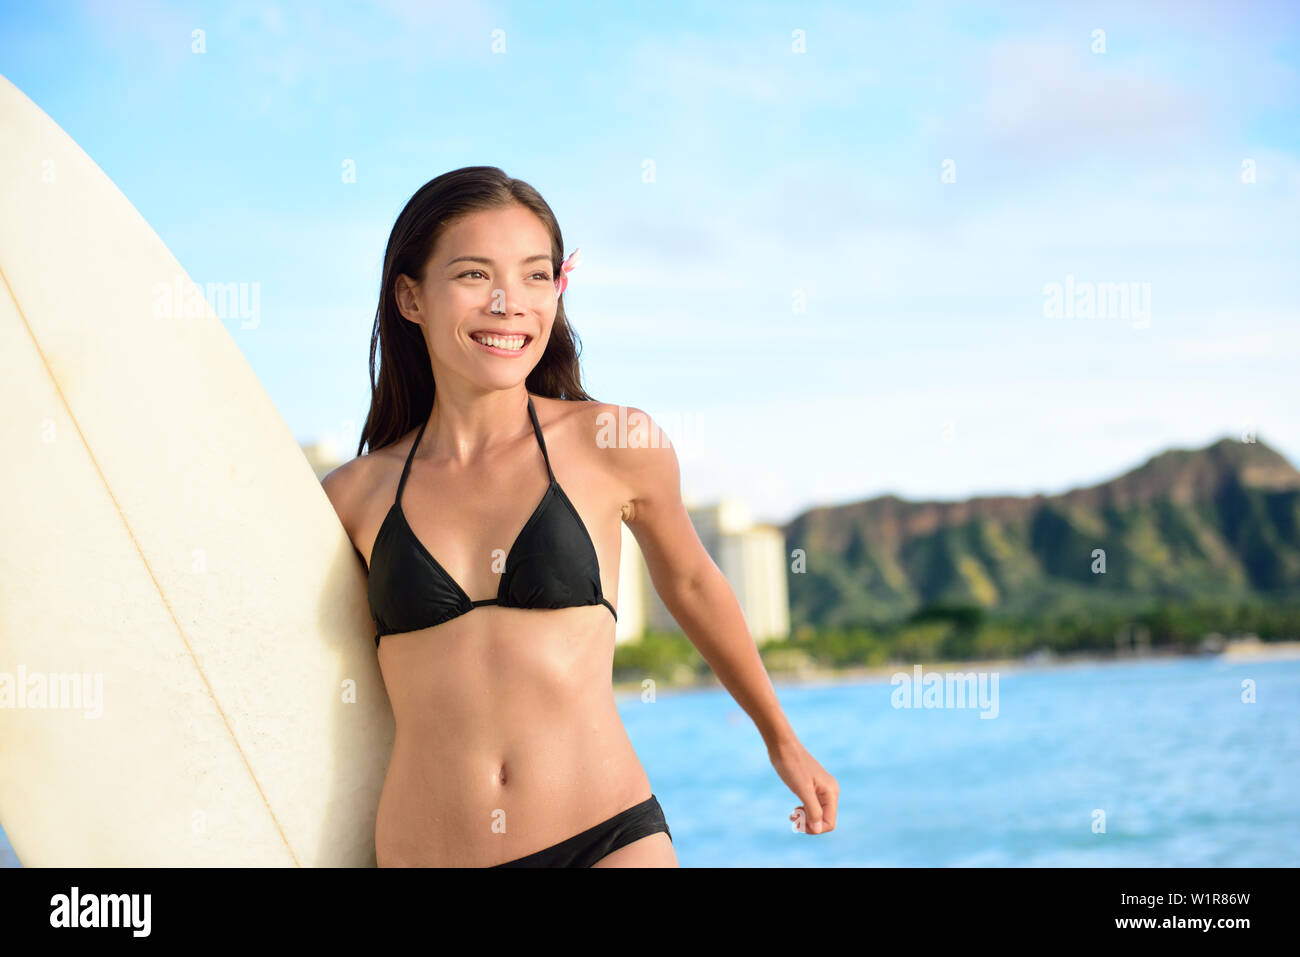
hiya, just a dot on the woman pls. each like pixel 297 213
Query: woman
pixel 488 517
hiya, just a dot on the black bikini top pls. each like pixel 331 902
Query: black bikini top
pixel 552 563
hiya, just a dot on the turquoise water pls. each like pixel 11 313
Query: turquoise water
pixel 1185 773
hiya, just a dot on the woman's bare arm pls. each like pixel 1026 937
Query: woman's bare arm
pixel 692 586
pixel 701 600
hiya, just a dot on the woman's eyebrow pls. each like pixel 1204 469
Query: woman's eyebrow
pixel 488 262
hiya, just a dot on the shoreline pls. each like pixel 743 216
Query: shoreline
pixel 1234 651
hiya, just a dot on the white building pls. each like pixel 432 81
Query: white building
pixel 751 556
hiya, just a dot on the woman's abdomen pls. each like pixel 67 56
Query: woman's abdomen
pixel 508 739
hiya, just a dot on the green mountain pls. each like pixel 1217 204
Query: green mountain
pixel 1219 523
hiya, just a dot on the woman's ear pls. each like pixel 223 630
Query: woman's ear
pixel 406 295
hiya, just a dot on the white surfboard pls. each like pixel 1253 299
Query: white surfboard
pixel 163 540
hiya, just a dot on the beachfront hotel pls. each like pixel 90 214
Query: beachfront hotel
pixel 751 555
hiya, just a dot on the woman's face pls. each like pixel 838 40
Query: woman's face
pixel 487 302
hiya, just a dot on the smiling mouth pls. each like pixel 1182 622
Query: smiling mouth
pixel 511 343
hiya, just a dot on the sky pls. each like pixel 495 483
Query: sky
pixel 820 244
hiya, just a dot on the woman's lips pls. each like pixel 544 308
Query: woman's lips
pixel 521 340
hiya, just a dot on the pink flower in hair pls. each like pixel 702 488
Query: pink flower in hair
pixel 562 281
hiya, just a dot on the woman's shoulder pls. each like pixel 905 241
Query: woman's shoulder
pixel 343 485
pixel 584 418
pixel 352 484
pixel 617 435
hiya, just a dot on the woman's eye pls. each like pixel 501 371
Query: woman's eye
pixel 470 272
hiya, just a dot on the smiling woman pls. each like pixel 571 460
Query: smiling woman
pixel 509 750
pixel 448 204
pixel 487 755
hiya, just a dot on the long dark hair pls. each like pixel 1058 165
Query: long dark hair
pixel 402 395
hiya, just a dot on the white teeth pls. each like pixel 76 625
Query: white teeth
pixel 512 343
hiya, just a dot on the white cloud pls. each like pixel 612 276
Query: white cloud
pixel 1052 100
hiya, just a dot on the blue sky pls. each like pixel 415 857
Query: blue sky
pixel 923 364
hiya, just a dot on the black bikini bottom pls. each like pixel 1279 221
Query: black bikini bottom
pixel 586 848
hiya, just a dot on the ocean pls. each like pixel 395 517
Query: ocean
pixel 1149 763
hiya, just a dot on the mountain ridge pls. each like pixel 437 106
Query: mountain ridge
pixel 1223 520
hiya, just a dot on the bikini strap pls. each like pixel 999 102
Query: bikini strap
pixel 537 428
pixel 409 456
